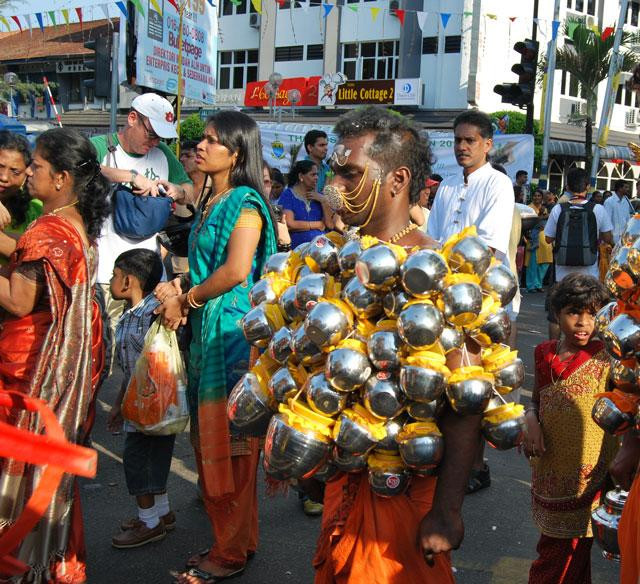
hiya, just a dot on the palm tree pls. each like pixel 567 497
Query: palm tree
pixel 586 57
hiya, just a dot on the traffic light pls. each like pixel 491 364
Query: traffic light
pixel 521 93
pixel 100 64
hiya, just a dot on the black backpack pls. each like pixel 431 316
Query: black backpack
pixel 576 242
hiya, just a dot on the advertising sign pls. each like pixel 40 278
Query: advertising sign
pixel 157 51
pixel 336 90
pixel 256 96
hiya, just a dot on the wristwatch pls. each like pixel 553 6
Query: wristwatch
pixel 134 173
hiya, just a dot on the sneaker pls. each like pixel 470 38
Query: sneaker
pixel 138 536
pixel 312 509
pixel 169 521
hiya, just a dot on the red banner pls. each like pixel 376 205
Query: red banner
pixel 255 95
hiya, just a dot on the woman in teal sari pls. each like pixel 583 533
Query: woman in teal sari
pixel 231 238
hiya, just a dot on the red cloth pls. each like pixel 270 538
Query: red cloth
pixel 562 561
pixel 629 536
pixel 366 539
pixel 546 361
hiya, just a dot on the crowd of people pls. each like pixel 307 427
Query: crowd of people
pixel 78 297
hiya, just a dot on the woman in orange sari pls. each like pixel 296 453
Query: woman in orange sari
pixel 51 340
pixel 406 538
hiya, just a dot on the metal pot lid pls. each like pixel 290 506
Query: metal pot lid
pixel 616 499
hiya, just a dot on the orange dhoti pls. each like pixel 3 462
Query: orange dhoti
pixel 366 538
pixel 629 536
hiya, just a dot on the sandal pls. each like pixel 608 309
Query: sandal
pixel 205 576
pixel 479 479
pixel 194 561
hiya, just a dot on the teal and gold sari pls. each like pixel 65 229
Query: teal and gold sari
pixel 219 353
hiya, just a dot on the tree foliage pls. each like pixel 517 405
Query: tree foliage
pixel 191 128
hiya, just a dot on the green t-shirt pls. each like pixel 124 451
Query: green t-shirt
pixel 159 163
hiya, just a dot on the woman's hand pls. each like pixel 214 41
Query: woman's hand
pixel 144 186
pixel 283 233
pixel 174 191
pixel 5 217
pixel 173 311
pixel 166 290
pixel 533 444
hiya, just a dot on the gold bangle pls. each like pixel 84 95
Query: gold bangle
pixel 192 301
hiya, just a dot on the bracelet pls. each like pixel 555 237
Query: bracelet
pixel 192 301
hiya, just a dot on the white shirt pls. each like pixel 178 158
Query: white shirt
pixel 619 210
pixel 486 201
pixel 110 244
pixel 602 221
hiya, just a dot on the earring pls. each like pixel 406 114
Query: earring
pixel 393 193
pixel 58 187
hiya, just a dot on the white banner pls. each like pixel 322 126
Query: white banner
pixel 513 151
pixel 157 52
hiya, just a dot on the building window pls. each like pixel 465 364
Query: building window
pixel 376 60
pixel 315 52
pixel 430 45
pixel 242 7
pixel 293 53
pixel 585 6
pixel 237 68
pixel 632 13
pixel 452 44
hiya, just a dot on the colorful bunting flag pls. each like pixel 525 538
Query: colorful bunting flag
pixel 139 8
pixel 156 6
pixel 52 16
pixel 513 18
pixel 422 19
pixel 234 2
pixel 327 9
pixel 606 33
pixel 353 7
pixel 445 16
pixel 65 15
pixel 467 13
pixel 257 4
pixel 39 19
pixel 123 8
pixel 105 11
pixel 27 17
pixel 374 13
pixel 491 16
pixel 5 22
pixel 571 28
pixel 79 13
pixel 17 21
pixel 400 14
pixel 173 3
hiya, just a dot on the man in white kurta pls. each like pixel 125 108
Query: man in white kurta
pixel 619 209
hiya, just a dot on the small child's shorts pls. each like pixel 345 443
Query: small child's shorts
pixel 147 460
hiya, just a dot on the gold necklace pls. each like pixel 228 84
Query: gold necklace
pixel 205 213
pixel 54 211
pixel 376 187
pixel 398 236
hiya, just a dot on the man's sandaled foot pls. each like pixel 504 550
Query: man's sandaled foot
pixel 480 479
pixel 198 575
pixel 195 561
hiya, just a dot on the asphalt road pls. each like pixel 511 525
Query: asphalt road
pixel 498 548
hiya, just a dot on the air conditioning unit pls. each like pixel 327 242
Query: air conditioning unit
pixel 254 20
pixel 590 21
pixel 631 118
pixel 578 109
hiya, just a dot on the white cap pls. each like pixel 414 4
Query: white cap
pixel 159 111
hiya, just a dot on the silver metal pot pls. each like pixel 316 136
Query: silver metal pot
pixel 287 304
pixel 423 273
pixel 623 378
pixel 248 406
pixel 353 437
pixel 605 520
pixel 257 327
pixel 365 303
pixel 304 349
pixel 282 385
pixel 383 347
pixel 279 348
pixel 510 377
pixel 421 453
pixel 322 398
pixel 604 316
pixel 420 325
pixel 378 267
pixel 499 281
pixel 451 338
pixel 292 453
pixel 609 417
pixel 631 232
pixel 348 255
pixel 326 472
pixel 495 330
pixel 347 369
pixel 388 482
pixel 262 291
pixel 349 462
pixel 621 272
pixel 326 324
pixel 394 301
pixel 470 255
pixel 469 396
pixel 323 254
pixel 382 395
pixel 462 303
pixel 506 434
pixel 276 263
pixel 309 290
pixel 425 412
pixel 421 384
pixel 622 336
pixel 392 427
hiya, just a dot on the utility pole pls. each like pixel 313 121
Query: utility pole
pixel 113 124
pixel 607 108
pixel 548 101
pixel 528 129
